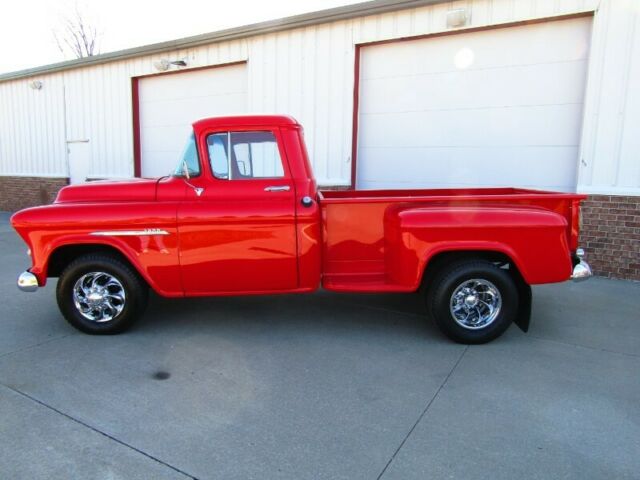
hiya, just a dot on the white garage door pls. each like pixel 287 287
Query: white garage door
pixel 493 108
pixel 169 104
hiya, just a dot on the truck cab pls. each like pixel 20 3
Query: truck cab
pixel 249 208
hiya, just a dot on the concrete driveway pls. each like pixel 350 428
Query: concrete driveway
pixel 318 386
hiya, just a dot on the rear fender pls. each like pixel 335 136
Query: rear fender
pixel 533 239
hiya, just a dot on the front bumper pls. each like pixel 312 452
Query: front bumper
pixel 28 282
pixel 581 270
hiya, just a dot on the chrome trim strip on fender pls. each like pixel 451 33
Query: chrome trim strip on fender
pixel 129 233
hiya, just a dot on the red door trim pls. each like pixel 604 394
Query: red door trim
pixel 135 107
pixel 359 46
pixel 356 108
pixel 135 103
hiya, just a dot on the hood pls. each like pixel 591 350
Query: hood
pixel 134 190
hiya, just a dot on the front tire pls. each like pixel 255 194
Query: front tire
pixel 100 294
pixel 472 301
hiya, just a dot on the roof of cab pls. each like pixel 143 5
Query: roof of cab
pixel 246 121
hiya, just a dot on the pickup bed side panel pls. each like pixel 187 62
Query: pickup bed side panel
pixel 118 225
pixel 535 239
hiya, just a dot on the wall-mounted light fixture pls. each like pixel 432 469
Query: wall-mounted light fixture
pixel 35 85
pixel 164 64
pixel 457 18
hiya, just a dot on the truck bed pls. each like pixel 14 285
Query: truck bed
pixel 360 232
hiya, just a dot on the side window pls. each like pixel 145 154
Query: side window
pixel 244 155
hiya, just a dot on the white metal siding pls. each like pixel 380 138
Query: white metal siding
pixel 32 139
pixel 97 112
pixel 308 72
pixel 499 107
pixel 169 104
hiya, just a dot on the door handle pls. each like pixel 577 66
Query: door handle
pixel 277 188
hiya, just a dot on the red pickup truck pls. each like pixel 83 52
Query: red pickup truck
pixel 241 215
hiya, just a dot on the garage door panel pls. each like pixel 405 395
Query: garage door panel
pixel 462 167
pixel 169 104
pixel 477 89
pixel 509 126
pixel 164 137
pixel 511 115
pixel 164 162
pixel 226 79
pixel 541 43
pixel 179 112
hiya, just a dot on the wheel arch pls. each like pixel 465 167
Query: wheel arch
pixel 63 255
pixel 438 259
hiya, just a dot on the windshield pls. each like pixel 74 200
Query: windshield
pixel 189 158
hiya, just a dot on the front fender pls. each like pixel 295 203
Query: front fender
pixel 534 239
pixel 130 229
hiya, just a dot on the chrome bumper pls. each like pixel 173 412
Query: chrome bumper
pixel 582 271
pixel 27 282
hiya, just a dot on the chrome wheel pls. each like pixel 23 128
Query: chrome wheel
pixel 99 296
pixel 475 304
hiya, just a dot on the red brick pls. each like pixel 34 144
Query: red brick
pixel 611 235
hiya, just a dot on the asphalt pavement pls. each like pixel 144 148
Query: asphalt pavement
pixel 320 386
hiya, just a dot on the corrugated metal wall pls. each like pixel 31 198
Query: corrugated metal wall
pixel 32 137
pixel 309 73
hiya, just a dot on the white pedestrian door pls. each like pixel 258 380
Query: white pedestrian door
pixel 79 155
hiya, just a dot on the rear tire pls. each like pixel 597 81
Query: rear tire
pixel 100 294
pixel 472 301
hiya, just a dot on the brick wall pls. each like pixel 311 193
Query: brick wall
pixel 21 192
pixel 610 235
